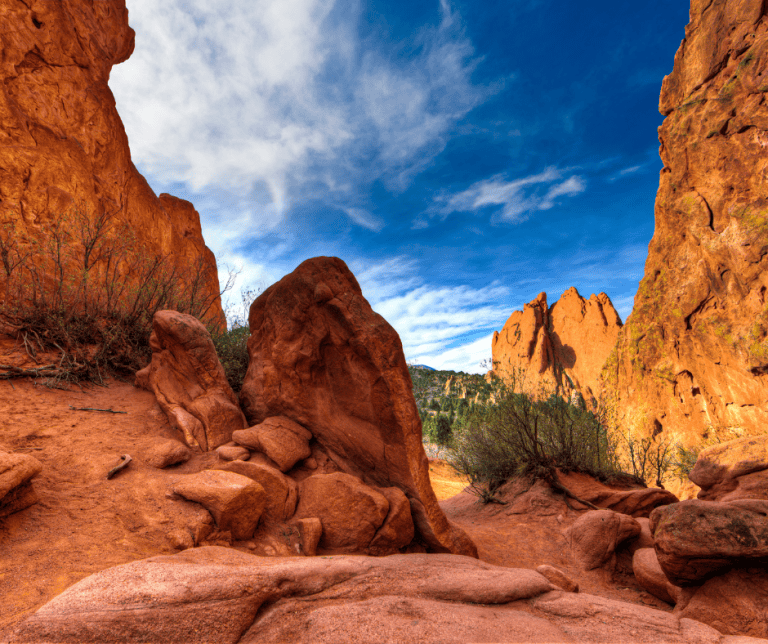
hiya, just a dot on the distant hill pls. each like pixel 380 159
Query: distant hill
pixel 422 366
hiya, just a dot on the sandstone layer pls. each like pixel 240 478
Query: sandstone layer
pixel 217 594
pixel 694 352
pixel 562 347
pixel 63 149
pixel 321 357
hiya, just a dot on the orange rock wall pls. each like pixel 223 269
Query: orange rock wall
pixel 562 347
pixel 694 353
pixel 62 143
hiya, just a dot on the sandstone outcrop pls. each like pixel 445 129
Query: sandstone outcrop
pixel 350 511
pixel 236 502
pixel 189 382
pixel 695 539
pixel 283 441
pixel 693 355
pixel 232 453
pixel 16 474
pixel 594 536
pixel 734 470
pixel 322 357
pixel 638 502
pixel 561 347
pixel 735 603
pixel 63 148
pixel 214 594
pixel 648 572
pixel 281 491
pixel 558 578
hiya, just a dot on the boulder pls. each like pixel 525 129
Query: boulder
pixel 694 353
pixel 635 501
pixel 562 346
pixel 650 576
pixel 16 474
pixel 280 490
pixel 735 603
pixel 310 531
pixel 65 154
pixel 397 530
pixel 644 539
pixel 233 453
pixel 163 453
pixel 235 501
pixel 558 578
pixel 281 439
pixel 697 539
pixel 350 511
pixel 213 594
pixel 321 356
pixel 595 535
pixel 189 382
pixel 737 469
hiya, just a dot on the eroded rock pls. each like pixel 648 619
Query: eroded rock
pixel 694 353
pixel 233 453
pixel 167 452
pixel 735 603
pixel 282 440
pixel 189 382
pixel 280 490
pixel 636 502
pixel 558 578
pixel 322 357
pixel 214 594
pixel 733 470
pixel 397 530
pixel 697 539
pixel 16 474
pixel 235 501
pixel 350 511
pixel 595 535
pixel 650 576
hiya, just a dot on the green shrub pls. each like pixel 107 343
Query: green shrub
pixel 231 347
pixel 522 436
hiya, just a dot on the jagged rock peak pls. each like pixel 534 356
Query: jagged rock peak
pixel 563 346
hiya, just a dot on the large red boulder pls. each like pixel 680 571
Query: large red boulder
pixel 696 539
pixel 734 470
pixel 322 357
pixel 189 382
pixel 595 535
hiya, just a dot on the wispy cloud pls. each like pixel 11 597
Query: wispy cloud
pixel 275 99
pixel 437 325
pixel 515 200
pixel 365 219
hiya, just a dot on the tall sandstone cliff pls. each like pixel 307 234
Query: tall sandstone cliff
pixel 62 143
pixel 561 347
pixel 694 353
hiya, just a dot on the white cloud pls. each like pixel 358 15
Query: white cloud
pixel 431 320
pixel 466 357
pixel 365 219
pixel 265 99
pixel 518 198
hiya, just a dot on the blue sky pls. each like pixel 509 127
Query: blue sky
pixel 460 156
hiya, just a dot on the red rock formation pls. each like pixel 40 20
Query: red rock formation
pixel 62 143
pixel 694 352
pixel 189 382
pixel 563 346
pixel 322 357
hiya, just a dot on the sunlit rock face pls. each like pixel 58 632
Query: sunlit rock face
pixel 561 348
pixel 694 352
pixel 63 147
pixel 321 357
